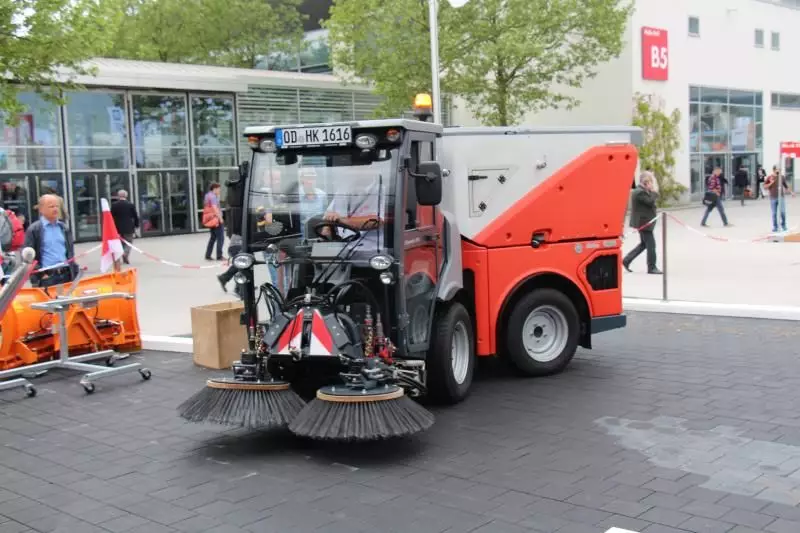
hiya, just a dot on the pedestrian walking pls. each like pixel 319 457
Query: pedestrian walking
pixel 212 219
pixel 234 247
pixel 643 213
pixel 126 219
pixel 777 201
pixel 715 189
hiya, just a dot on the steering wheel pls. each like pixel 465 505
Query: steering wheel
pixel 334 236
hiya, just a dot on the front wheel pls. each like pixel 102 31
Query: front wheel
pixel 451 357
pixel 543 333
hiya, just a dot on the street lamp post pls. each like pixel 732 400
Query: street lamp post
pixel 433 15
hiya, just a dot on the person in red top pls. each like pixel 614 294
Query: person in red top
pixel 714 189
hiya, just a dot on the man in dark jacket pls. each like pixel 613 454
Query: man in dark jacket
pixel 643 214
pixel 126 219
pixel 52 242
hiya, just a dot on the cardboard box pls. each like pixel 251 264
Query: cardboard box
pixel 217 336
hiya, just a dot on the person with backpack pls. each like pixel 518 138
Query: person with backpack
pixel 52 242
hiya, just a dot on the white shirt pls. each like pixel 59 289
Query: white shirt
pixel 361 205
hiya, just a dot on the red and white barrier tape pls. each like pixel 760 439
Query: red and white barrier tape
pixel 69 261
pixel 172 263
pixel 636 230
pixel 764 238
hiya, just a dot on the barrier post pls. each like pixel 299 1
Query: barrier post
pixel 664 294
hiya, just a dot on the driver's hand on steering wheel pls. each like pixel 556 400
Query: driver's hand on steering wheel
pixel 330 216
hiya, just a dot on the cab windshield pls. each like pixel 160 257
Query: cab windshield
pixel 298 196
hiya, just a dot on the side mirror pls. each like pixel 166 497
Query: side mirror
pixel 244 170
pixel 428 183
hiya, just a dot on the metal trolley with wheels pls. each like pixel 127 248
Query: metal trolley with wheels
pixel 79 363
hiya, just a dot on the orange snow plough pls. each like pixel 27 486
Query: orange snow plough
pixel 30 336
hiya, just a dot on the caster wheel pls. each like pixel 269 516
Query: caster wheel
pixel 30 391
pixel 146 374
pixel 88 387
pixel 110 361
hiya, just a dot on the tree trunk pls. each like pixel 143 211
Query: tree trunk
pixel 502 104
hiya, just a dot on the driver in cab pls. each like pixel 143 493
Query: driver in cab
pixel 359 207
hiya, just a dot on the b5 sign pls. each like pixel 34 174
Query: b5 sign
pixel 655 54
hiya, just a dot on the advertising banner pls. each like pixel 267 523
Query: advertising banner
pixel 655 54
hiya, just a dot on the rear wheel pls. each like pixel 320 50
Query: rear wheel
pixel 543 332
pixel 451 357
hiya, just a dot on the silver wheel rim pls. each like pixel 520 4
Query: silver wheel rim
pixel 545 333
pixel 459 353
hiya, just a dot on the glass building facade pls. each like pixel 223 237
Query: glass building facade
pixel 725 130
pixel 163 147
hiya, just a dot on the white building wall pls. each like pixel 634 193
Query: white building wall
pixel 722 55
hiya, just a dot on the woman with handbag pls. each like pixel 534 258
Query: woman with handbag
pixel 212 219
pixel 713 197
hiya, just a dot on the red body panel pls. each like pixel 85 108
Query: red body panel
pixel 583 204
pixel 586 198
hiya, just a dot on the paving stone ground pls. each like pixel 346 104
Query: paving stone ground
pixel 676 424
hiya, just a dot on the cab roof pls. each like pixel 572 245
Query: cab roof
pixel 406 124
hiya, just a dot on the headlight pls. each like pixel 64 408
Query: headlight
pixel 380 262
pixel 239 278
pixel 386 278
pixel 267 145
pixel 243 261
pixel 366 141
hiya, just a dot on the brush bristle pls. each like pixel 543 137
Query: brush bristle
pixel 352 421
pixel 252 409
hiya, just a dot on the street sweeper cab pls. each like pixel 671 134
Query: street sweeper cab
pixel 411 249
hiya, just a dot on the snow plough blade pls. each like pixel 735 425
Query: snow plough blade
pixel 29 335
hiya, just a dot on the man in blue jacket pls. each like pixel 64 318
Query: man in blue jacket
pixel 52 242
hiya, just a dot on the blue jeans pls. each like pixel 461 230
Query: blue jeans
pixel 719 207
pixel 774 203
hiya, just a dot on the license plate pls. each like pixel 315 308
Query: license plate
pixel 317 136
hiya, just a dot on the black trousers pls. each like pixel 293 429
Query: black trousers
pixel 647 242
pixel 215 236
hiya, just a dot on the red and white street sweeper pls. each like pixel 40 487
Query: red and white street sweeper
pixel 401 251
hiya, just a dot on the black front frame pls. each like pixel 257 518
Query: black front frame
pixel 398 325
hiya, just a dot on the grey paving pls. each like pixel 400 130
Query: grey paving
pixel 676 424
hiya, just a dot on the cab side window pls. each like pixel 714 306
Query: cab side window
pixel 418 216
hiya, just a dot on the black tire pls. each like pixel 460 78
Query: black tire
pixel 443 385
pixel 558 327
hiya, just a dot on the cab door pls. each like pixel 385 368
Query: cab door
pixel 422 250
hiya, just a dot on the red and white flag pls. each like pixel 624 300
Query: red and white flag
pixel 112 245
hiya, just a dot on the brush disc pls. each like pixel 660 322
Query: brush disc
pixel 339 413
pixel 247 404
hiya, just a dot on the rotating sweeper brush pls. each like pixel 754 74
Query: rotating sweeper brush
pixel 250 399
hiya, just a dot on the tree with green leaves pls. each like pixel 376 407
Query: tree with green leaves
pixel 506 58
pixel 661 139
pixel 232 33
pixel 44 45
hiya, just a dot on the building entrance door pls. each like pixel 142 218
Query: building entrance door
pixel 164 202
pixel 88 188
